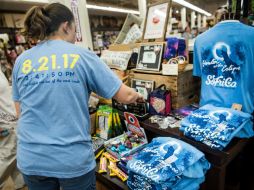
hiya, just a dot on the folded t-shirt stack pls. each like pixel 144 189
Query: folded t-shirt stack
pixel 167 164
pixel 217 126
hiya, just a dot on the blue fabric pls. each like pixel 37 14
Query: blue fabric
pixel 84 182
pixel 137 182
pixel 223 58
pixel 53 81
pixel 216 126
pixel 167 162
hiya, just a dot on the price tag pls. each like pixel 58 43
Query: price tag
pixel 237 107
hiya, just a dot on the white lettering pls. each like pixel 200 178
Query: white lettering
pixel 220 81
pixel 231 69
pixel 145 169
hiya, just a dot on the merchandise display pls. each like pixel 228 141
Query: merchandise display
pixel 167 163
pixel 144 87
pixel 150 57
pixel 140 109
pixel 133 140
pixel 156 21
pixel 185 124
pixel 126 34
pixel 160 101
pixel 224 63
pixel 108 123
pixel 216 126
pixel 116 59
pixel 165 122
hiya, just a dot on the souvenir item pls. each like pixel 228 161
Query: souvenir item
pixel 97 144
pixel 134 34
pixel 171 48
pixel 160 101
pixel 104 122
pixel 111 165
pixel 130 20
pixel 185 111
pixel 150 56
pixel 108 123
pixel 223 60
pixel 156 21
pixel 216 126
pixel 119 173
pixel 103 165
pixel 139 109
pixel 110 157
pixel 116 59
pixel 144 87
pixel 133 140
pixel 167 163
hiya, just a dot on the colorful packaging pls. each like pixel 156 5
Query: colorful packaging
pixel 110 157
pixel 103 165
pixel 160 101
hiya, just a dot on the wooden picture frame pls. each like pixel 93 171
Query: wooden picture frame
pixel 144 87
pixel 150 56
pixel 156 21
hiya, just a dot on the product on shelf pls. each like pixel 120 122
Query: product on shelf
pixel 167 163
pixel 217 126
pixel 128 142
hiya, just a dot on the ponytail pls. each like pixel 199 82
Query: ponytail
pixel 36 23
pixel 40 22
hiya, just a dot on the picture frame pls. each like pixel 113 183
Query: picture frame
pixel 150 56
pixel 156 21
pixel 144 87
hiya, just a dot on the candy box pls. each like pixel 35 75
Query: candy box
pixel 133 140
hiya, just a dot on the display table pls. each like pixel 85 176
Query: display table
pixel 215 177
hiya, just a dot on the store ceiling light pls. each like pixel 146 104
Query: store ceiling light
pixel 193 7
pixel 113 9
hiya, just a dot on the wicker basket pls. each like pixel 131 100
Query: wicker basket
pixel 182 66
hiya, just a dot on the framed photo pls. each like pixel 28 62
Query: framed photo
pixel 144 87
pixel 156 20
pixel 149 57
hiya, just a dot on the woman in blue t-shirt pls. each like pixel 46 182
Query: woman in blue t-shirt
pixel 51 86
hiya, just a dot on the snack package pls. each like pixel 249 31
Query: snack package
pixel 110 157
pixel 119 173
pixel 103 165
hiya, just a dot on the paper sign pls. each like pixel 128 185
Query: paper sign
pixel 74 9
pixel 170 69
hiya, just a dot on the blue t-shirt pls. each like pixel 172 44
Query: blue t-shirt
pixel 216 126
pixel 53 81
pixel 168 161
pixel 223 58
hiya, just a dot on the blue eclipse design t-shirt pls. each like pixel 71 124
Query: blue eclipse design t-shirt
pixel 216 126
pixel 223 58
pixel 53 81
pixel 167 162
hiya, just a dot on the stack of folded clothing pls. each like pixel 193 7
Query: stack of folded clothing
pixel 217 126
pixel 167 164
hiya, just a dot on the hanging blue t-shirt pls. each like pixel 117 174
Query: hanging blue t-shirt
pixel 216 126
pixel 53 81
pixel 166 162
pixel 223 58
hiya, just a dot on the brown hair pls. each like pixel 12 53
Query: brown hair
pixel 40 22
